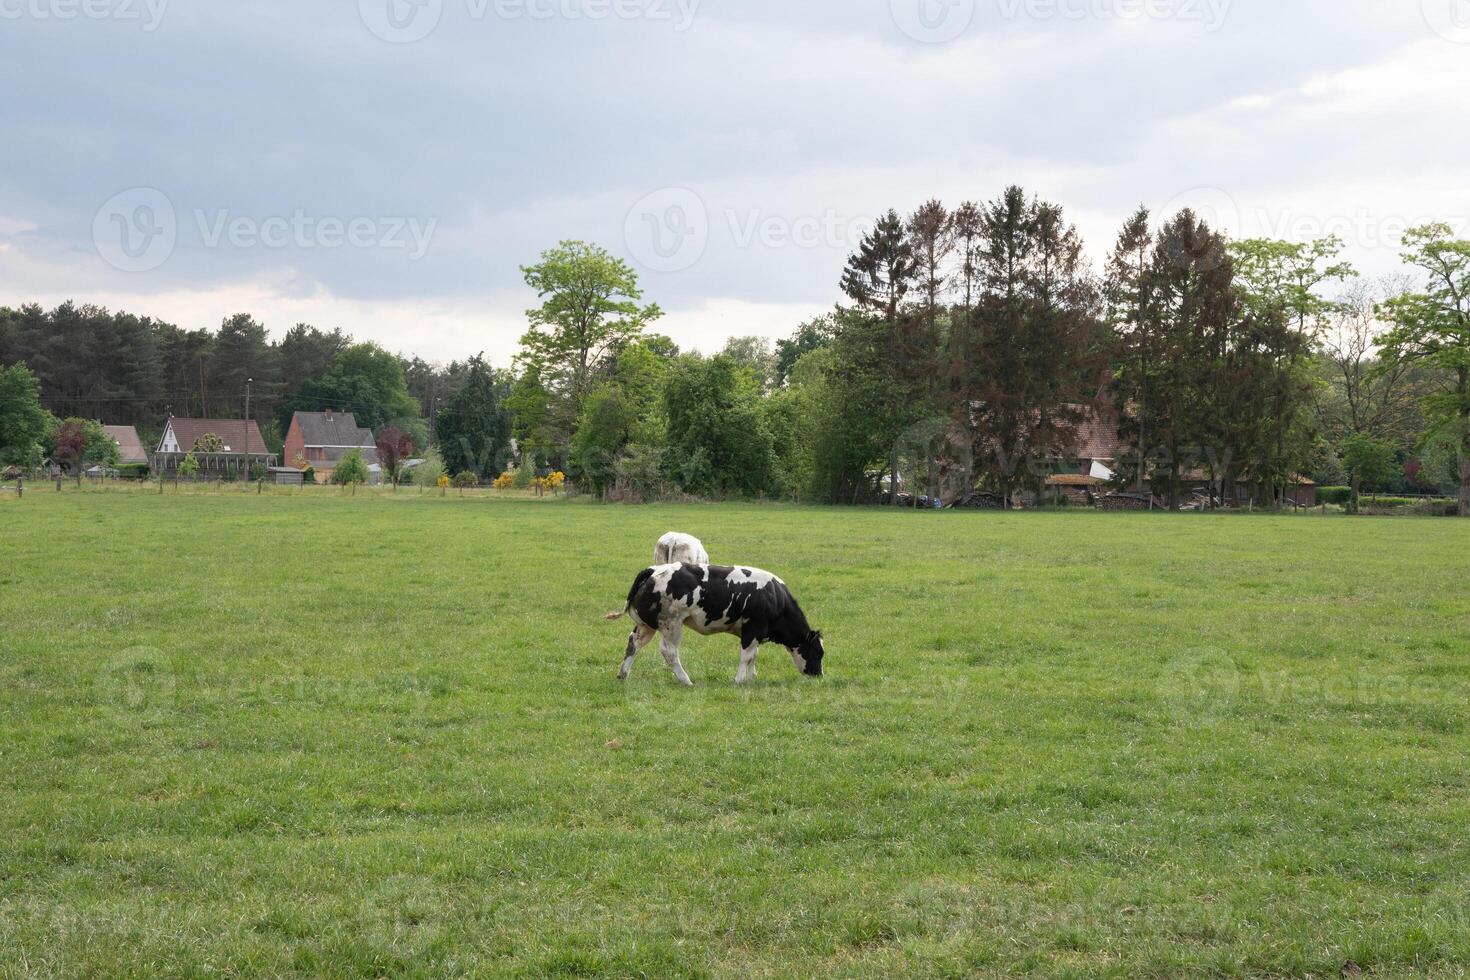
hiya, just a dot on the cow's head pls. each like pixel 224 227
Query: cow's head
pixel 808 655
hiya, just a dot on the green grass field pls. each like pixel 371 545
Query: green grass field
pixel 381 735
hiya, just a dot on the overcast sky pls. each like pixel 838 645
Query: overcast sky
pixel 385 166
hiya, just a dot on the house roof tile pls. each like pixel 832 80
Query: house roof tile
pixel 130 447
pixel 235 433
pixel 332 430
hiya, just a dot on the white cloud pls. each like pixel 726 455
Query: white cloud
pixel 794 122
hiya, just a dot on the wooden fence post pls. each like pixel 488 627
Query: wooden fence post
pixel 20 487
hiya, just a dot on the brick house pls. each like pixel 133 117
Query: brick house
pixel 1086 474
pixel 321 439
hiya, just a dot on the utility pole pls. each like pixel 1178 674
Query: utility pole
pixel 248 382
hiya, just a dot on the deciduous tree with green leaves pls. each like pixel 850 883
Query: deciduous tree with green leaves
pixel 625 411
pixel 80 443
pixel 1366 399
pixel 23 422
pixel 367 381
pixel 1280 283
pixel 1367 460
pixel 1433 325
pixel 811 335
pixel 591 306
pixel 718 442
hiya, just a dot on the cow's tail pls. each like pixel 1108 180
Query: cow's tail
pixel 643 577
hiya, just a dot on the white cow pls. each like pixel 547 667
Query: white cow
pixel 675 548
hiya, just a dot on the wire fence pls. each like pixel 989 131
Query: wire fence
pixel 29 486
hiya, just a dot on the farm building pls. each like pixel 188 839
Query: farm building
pixel 321 439
pixel 130 446
pixel 1087 474
pixel 240 446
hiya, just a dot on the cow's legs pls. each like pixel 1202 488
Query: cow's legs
pixel 639 639
pixel 669 647
pixel 746 673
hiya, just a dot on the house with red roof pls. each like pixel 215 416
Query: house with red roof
pixel 219 446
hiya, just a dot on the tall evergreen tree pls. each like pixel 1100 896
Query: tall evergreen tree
pixel 1136 359
pixel 1032 355
pixel 885 347
pixel 474 426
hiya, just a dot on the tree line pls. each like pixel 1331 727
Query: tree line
pixel 971 345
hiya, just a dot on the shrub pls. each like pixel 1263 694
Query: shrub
pixel 1333 495
pixel 464 478
pixel 429 471
pixel 525 474
pixel 308 474
pixel 504 481
pixel 257 472
pixel 639 475
pixel 133 471
pixel 351 470
pixel 1388 503
pixel 188 466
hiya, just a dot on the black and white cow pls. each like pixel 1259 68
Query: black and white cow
pixel 753 605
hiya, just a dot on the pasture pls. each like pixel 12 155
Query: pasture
pixel 381 736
